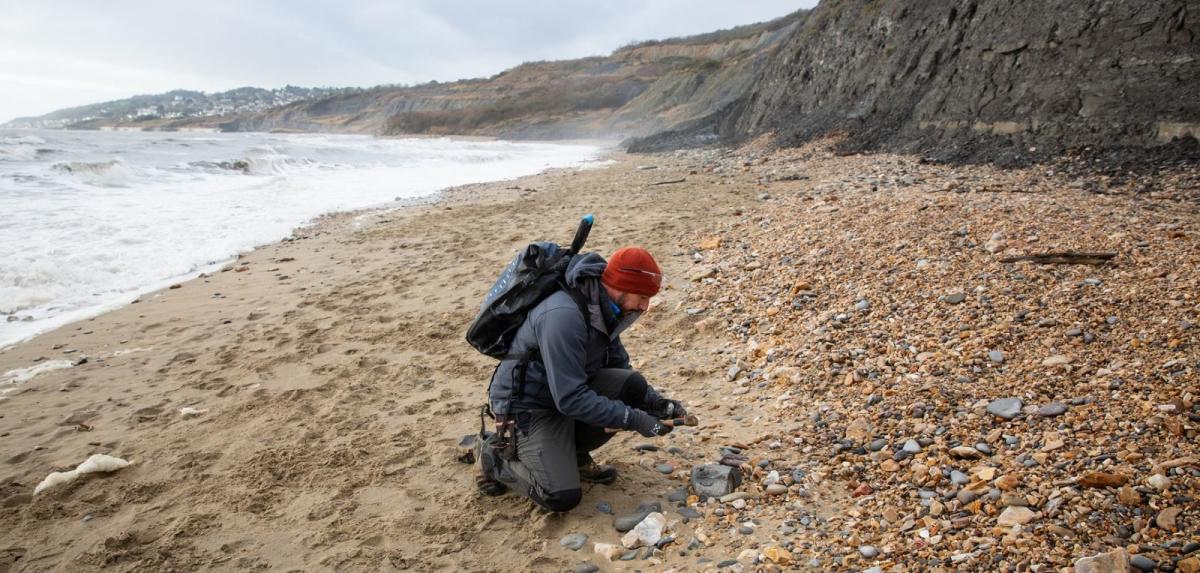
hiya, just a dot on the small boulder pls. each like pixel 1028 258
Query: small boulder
pixel 715 480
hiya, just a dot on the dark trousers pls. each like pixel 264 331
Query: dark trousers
pixel 551 447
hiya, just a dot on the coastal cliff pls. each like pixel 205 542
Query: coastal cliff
pixel 973 80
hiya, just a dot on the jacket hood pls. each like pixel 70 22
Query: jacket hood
pixel 585 266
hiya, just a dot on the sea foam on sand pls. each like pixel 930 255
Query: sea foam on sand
pixel 97 463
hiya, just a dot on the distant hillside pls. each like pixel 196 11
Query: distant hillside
pixel 973 80
pixel 174 108
pixel 636 90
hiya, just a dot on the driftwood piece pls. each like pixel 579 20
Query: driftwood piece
pixel 1063 258
pixel 669 182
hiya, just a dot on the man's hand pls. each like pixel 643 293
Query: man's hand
pixel 667 409
pixel 646 425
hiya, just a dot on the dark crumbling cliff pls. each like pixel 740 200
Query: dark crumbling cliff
pixel 978 79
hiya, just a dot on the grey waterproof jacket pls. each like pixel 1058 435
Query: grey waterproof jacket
pixel 570 347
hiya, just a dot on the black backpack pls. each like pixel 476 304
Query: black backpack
pixel 536 272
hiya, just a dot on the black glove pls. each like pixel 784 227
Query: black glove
pixel 646 425
pixel 668 409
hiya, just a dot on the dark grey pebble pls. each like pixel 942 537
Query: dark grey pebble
pixel 1142 563
pixel 877 445
pixel 797 475
pixel 630 555
pixel 604 507
pixel 958 478
pixel 746 530
pixel 964 497
pixel 1052 409
pixel 1074 332
pixel 587 568
pixel 982 447
pixel 688 513
pixel 678 495
pixel 646 448
pixel 675 450
pixel 727 563
pixel 955 298
pixel 1189 548
pixel 665 468
pixel 629 521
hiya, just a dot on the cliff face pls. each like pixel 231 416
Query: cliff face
pixel 979 79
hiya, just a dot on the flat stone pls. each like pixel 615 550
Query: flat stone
pixel 776 489
pixel 912 447
pixel 715 480
pixel 665 468
pixel 679 495
pixel 573 541
pixel 1057 360
pixel 1115 561
pixel 955 298
pixel 1052 409
pixel 868 551
pixel 996 356
pixel 587 568
pixel 958 478
pixel 604 507
pixel 966 452
pixel 734 496
pixel 1015 515
pixel 1007 408
pixel 877 445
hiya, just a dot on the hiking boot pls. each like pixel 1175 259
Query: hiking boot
pixel 485 480
pixel 596 473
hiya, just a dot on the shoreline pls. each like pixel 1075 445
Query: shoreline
pixel 336 384
pixel 47 324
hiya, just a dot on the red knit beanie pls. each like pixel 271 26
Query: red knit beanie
pixel 632 270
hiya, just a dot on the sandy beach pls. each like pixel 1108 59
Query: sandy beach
pixel 333 381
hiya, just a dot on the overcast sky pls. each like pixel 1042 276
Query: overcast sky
pixel 56 54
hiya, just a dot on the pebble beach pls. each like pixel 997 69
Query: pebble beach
pixel 895 395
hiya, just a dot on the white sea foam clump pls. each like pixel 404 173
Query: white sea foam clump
pixel 97 463
pixel 23 375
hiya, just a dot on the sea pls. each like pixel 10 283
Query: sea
pixel 90 220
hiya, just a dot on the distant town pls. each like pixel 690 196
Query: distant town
pixel 175 105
